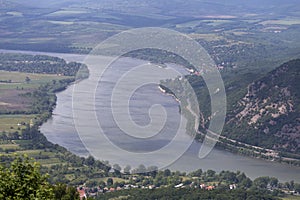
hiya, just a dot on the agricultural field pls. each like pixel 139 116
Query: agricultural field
pixel 14 106
pixel 284 21
pixel 115 179
pixel 291 197
pixel 13 86
pixel 12 123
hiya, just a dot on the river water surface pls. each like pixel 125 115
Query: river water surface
pixel 60 129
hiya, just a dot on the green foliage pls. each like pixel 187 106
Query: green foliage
pixel 63 192
pixel 23 180
pixel 127 169
pixel 197 173
pixel 109 182
pixel 279 87
pixel 158 56
pixel 187 193
pixel 38 64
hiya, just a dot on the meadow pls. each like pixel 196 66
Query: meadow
pixel 15 115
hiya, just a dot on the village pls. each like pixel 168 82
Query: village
pixel 199 180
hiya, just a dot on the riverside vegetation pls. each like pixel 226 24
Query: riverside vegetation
pixel 57 173
pixel 262 119
pixel 246 39
pixel 242 45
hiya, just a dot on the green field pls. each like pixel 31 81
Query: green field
pixel 68 12
pixel 286 22
pixel 291 197
pixel 12 123
pixel 207 36
pixel 115 179
pixel 9 146
pixel 19 78
pixel 27 100
pixel 13 86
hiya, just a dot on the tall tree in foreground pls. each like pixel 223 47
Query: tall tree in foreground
pixel 23 180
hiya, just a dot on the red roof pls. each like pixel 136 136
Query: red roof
pixel 81 193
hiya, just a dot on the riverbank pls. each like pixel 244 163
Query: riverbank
pixel 238 147
pixel 60 128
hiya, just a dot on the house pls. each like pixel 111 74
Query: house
pixel 151 187
pixel 126 187
pixel 179 185
pixel 190 70
pixel 81 192
pixel 119 188
pixel 210 187
pixel 134 186
pixel 233 186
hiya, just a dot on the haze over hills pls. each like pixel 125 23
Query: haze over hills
pixel 170 6
pixel 158 10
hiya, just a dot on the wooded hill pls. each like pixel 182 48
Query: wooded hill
pixel 268 115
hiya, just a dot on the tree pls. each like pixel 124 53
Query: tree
pixel 261 182
pixel 273 182
pixel 117 168
pixel 167 172
pixel 91 183
pixel 23 180
pixel 292 185
pixel 110 181
pixel 241 176
pixel 297 187
pixel 246 183
pixel 72 194
pixel 141 169
pixel 287 185
pixel 152 171
pixel 59 190
pixel 63 192
pixel 90 161
pixel 210 173
pixel 196 173
pixel 27 79
pixel 127 169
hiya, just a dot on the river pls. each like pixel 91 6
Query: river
pixel 60 129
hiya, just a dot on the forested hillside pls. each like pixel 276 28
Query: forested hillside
pixel 269 114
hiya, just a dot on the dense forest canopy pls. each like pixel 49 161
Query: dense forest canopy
pixel 38 64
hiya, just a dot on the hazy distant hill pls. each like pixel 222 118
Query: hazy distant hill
pixel 269 114
pixel 171 7
pixel 77 25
